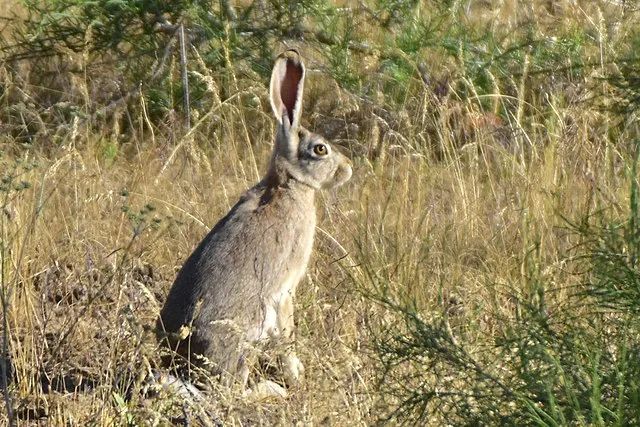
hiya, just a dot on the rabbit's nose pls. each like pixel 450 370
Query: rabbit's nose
pixel 343 173
pixel 349 165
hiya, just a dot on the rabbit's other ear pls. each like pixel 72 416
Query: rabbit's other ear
pixel 287 83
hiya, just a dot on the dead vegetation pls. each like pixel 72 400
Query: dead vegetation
pixel 458 213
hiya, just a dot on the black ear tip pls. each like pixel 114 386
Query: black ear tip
pixel 293 56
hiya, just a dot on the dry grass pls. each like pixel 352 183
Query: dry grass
pixel 86 263
pixel 84 289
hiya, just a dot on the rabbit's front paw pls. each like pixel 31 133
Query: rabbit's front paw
pixel 293 369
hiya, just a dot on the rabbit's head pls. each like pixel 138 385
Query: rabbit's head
pixel 300 154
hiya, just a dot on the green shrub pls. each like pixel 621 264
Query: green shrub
pixel 92 53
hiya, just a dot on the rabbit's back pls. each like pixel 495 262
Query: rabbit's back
pixel 233 282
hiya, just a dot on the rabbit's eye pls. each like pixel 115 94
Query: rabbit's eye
pixel 320 150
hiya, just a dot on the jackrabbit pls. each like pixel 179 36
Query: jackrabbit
pixel 237 288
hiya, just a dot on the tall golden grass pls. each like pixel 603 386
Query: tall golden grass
pixel 91 248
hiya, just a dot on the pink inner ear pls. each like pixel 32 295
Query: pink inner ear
pixel 289 87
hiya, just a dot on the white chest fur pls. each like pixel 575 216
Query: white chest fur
pixel 278 307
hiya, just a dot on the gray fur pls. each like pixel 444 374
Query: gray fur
pixel 237 287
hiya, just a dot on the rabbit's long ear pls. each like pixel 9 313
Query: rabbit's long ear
pixel 287 83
